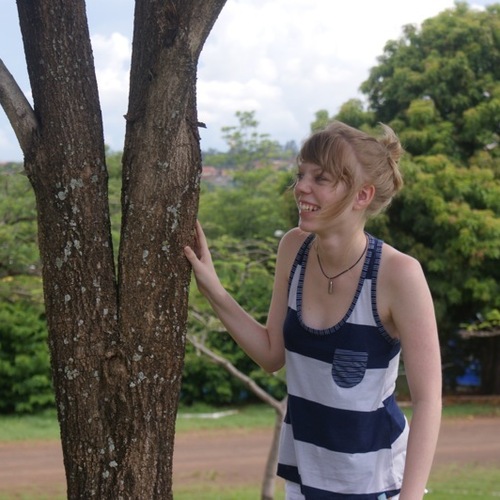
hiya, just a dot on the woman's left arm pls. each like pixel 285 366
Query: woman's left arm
pixel 413 319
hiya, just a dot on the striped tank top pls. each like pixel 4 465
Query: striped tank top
pixel 343 437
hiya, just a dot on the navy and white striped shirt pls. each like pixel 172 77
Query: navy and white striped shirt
pixel 344 437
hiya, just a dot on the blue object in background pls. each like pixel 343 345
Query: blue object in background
pixel 472 375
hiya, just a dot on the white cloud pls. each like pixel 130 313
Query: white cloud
pixel 112 61
pixel 313 55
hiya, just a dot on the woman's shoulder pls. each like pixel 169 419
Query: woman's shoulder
pixel 398 266
pixel 293 240
pixel 290 244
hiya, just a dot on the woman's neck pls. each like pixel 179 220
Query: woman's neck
pixel 339 251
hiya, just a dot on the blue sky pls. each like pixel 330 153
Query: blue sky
pixel 285 59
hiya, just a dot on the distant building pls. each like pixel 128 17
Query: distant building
pixel 215 176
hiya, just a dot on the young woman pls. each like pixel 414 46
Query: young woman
pixel 344 306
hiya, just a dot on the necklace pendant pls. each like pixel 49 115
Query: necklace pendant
pixel 330 286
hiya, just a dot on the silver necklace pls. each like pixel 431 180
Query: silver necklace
pixel 331 278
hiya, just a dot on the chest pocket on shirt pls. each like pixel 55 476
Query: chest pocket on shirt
pixel 349 367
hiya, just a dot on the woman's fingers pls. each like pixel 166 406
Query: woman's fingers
pixel 199 251
pixel 189 253
pixel 200 239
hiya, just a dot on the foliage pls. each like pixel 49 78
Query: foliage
pixel 351 112
pixel 19 256
pixel 25 379
pixel 490 322
pixel 246 145
pixel 25 384
pixel 246 269
pixel 448 218
pixel 255 206
pixel 242 223
pixel 114 165
pixel 439 86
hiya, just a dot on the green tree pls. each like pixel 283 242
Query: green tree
pixel 447 217
pixel 20 267
pixel 247 146
pixel 351 112
pixel 439 86
pixel 321 120
pixel 246 269
pixel 25 382
pixel 256 205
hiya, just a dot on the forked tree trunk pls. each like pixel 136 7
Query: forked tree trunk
pixel 117 344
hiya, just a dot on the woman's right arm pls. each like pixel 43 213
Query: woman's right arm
pixel 264 344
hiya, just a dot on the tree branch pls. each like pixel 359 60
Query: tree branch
pixel 229 367
pixel 17 108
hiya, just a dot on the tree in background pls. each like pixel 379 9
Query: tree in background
pixel 25 382
pixel 252 207
pixel 247 269
pixel 351 112
pixel 440 85
pixel 20 267
pixel 116 338
pixel 247 146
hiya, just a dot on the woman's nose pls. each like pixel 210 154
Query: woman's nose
pixel 302 185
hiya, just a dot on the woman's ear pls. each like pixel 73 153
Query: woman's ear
pixel 364 197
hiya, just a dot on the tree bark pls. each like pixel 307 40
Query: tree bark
pixel 16 107
pixel 117 344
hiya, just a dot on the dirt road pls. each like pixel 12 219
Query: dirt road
pixel 226 458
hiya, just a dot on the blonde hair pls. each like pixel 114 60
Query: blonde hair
pixel 355 159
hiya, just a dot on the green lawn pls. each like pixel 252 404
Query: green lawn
pixel 470 482
pixel 44 426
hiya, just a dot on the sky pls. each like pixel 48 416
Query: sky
pixel 283 59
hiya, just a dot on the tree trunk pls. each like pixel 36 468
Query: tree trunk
pixel 490 364
pixel 117 346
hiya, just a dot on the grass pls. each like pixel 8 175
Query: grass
pixel 469 482
pixel 37 427
pixel 43 426
pixel 470 410
pixel 248 417
pixel 218 493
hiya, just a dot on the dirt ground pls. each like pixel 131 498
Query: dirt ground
pixel 235 457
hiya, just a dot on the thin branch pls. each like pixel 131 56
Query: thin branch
pixel 17 108
pixel 229 367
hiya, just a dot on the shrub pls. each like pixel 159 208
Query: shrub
pixel 25 377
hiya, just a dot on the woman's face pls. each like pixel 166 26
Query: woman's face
pixel 315 190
